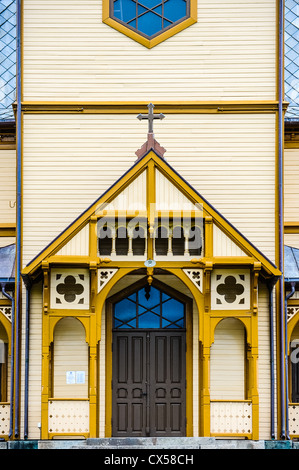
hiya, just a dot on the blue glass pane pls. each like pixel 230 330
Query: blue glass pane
pixel 124 310
pixel 165 297
pixel 124 10
pixel 150 3
pixel 149 17
pixel 141 9
pixel 154 298
pixel 149 24
pixel 172 310
pixel 175 10
pixel 131 324
pixel 149 320
pixel 178 324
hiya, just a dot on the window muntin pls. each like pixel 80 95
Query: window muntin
pixel 148 308
pixel 150 17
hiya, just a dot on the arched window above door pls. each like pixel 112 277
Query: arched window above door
pixel 149 307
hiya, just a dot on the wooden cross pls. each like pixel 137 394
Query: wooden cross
pixel 150 116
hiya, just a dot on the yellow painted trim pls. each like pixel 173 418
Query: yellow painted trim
pixel 147 162
pixel 165 107
pixel 8 230
pixel 149 43
pixel 291 227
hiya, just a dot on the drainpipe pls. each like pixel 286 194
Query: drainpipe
pixel 28 290
pixel 19 210
pixel 293 284
pixel 12 349
pixel 280 210
pixel 272 373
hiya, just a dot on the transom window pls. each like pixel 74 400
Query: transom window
pixel 149 307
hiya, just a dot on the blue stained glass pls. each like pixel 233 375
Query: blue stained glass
pixel 124 310
pixel 150 3
pixel 125 10
pixel 149 320
pixel 159 310
pixel 174 10
pixel 154 298
pixel 149 24
pixel 150 17
pixel 172 310
pixel 165 297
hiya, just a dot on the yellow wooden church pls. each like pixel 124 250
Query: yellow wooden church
pixel 149 222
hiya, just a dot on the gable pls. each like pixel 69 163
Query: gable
pixel 132 219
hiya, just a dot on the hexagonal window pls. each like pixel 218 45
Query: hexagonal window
pixel 149 21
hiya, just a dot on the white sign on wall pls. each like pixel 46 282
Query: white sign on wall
pixel 75 377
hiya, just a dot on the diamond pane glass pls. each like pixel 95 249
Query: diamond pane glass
pixel 150 17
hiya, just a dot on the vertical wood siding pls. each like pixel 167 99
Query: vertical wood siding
pixel 229 159
pixel 70 55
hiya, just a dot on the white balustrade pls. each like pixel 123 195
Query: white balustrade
pixel 68 416
pixel 231 417
pixel 4 419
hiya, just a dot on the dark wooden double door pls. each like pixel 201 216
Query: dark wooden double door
pixel 149 383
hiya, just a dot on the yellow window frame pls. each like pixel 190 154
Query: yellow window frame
pixel 149 43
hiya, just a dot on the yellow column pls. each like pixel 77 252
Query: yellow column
pixel 45 354
pixel 205 395
pixel 253 391
pixel 93 409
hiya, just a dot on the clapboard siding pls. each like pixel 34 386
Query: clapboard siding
pixel 35 362
pixel 291 185
pixel 227 362
pixel 7 186
pixel 229 159
pixel 70 55
pixel 70 355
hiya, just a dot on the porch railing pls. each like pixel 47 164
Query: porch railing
pixel 68 416
pixel 4 419
pixel 294 419
pixel 231 418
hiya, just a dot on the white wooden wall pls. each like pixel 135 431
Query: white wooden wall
pixel 229 159
pixel 70 55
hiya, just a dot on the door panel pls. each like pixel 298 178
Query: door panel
pixel 149 383
pixel 168 383
pixel 128 404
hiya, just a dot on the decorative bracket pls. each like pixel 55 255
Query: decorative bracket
pixel 104 276
pixel 196 276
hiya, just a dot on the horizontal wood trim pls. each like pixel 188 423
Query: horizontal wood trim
pixel 291 227
pixel 165 107
pixel 7 230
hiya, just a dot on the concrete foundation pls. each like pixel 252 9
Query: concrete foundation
pixel 148 443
